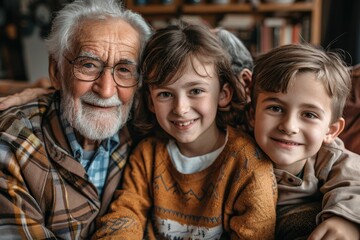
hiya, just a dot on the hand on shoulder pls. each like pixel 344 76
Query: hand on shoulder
pixel 22 97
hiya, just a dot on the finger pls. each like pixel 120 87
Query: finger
pixel 322 232
pixel 23 97
pixel 318 233
pixel 6 102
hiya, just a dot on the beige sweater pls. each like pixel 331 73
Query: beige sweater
pixel 233 198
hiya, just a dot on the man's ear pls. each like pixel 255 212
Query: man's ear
pixel 334 130
pixel 246 76
pixel 225 96
pixel 54 73
pixel 150 103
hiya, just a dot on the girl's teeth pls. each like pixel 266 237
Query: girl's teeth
pixel 183 124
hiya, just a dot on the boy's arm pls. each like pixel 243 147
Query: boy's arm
pixel 128 213
pixel 336 228
pixel 339 170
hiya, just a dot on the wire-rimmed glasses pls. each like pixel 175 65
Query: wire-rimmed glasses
pixel 89 69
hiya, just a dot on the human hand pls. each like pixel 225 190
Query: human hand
pixel 336 228
pixel 22 97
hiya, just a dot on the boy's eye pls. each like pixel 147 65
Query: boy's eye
pixel 196 91
pixel 310 115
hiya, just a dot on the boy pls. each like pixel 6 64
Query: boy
pixel 298 96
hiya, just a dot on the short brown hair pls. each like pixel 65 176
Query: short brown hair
pixel 276 69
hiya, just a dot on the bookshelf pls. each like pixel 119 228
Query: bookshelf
pixel 303 16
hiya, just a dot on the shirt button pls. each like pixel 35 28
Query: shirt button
pixel 78 155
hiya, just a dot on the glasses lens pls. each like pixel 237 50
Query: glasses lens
pixel 125 74
pixel 87 69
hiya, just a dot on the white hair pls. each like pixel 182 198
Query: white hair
pixel 66 22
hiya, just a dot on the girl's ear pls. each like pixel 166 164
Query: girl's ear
pixel 225 96
pixel 334 130
pixel 251 116
pixel 54 73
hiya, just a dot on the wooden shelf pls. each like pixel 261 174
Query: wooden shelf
pixel 293 7
pixel 216 8
pixel 309 8
pixel 155 9
pixel 246 8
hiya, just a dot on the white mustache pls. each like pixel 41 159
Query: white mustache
pixel 93 99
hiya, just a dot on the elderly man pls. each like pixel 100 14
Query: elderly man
pixel 61 157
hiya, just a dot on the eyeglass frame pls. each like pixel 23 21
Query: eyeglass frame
pixel 72 62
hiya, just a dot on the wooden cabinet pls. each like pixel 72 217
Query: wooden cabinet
pixel 306 13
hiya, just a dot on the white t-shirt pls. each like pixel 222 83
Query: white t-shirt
pixel 189 165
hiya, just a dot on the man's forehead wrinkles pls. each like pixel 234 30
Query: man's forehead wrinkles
pixel 96 48
pixel 103 43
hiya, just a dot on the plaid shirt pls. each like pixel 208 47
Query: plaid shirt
pixel 44 192
pixel 97 166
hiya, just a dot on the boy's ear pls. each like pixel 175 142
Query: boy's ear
pixel 334 130
pixel 225 97
pixel 53 74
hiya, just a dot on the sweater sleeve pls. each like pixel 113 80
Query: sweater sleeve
pixel 128 213
pixel 254 209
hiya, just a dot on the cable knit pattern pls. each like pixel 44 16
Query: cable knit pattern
pixel 233 198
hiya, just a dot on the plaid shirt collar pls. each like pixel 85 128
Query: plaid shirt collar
pixel 97 167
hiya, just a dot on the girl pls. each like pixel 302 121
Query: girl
pixel 194 176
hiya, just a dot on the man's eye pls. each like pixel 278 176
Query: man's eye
pixel 88 65
pixel 125 69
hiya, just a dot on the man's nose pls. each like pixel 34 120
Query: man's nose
pixel 105 85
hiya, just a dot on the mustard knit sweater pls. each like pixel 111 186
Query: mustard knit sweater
pixel 234 198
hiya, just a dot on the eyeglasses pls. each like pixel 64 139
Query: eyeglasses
pixel 90 69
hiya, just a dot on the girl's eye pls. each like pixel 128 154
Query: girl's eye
pixel 275 109
pixel 164 94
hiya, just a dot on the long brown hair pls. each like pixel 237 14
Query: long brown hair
pixel 164 60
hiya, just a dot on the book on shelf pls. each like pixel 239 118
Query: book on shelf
pixel 274 32
pixel 261 35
